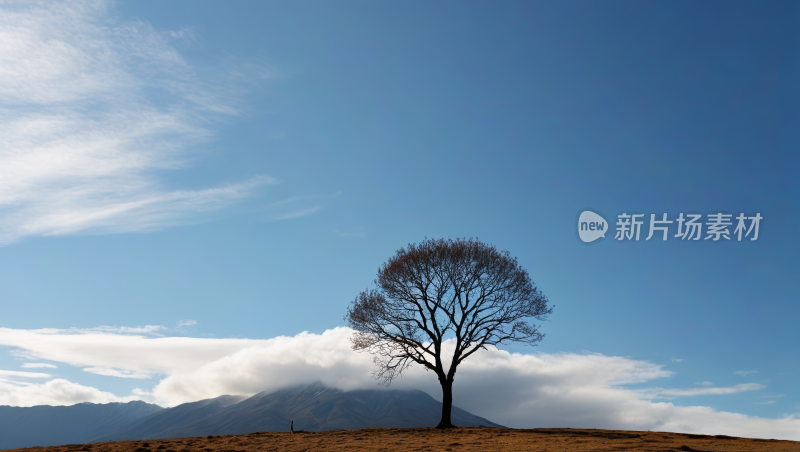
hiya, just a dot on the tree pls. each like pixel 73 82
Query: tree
pixel 462 290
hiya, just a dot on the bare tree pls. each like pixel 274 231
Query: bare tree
pixel 461 289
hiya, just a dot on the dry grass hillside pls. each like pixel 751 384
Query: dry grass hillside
pixel 429 439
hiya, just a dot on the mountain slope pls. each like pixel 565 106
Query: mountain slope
pixel 168 422
pixel 54 425
pixel 313 407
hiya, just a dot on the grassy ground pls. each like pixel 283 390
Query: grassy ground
pixel 429 439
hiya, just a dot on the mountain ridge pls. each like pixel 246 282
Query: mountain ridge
pixel 45 425
pixel 313 407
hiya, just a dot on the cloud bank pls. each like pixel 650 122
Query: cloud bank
pixel 523 390
pixel 91 109
pixel 54 392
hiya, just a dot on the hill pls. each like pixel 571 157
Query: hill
pixel 51 425
pixel 313 407
pixel 465 439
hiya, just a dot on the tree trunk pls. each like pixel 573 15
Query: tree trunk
pixel 447 404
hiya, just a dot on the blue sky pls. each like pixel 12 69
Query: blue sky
pixel 245 168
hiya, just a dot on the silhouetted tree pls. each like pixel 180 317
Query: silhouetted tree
pixel 463 290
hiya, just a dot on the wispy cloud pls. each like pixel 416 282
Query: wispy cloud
pixel 669 393
pixel 185 323
pixel 145 330
pixel 705 383
pixel 295 207
pixel 91 109
pixel 98 347
pixel 745 373
pixel 293 214
pixel 677 360
pixel 14 373
pixel 39 366
pixel 116 373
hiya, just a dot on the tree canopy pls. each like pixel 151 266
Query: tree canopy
pixel 439 290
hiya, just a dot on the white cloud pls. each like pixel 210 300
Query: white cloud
pixel 92 108
pixel 293 214
pixel 54 392
pixel 532 390
pixel 668 393
pixel 147 329
pixel 116 373
pixel 187 322
pixel 39 365
pixel 14 373
pixel 677 360
pixel 745 373
pixel 127 352
pixel 705 383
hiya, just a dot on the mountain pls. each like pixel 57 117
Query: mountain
pixel 169 422
pixel 313 407
pixel 54 425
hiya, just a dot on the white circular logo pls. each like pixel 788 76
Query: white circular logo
pixel 591 226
